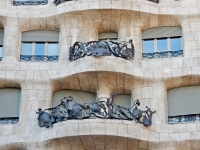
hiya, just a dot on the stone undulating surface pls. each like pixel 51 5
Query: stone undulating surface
pixel 146 79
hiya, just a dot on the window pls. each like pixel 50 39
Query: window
pixel 183 104
pixel 29 2
pixel 10 105
pixel 162 42
pixel 123 100
pixel 109 36
pixel 40 45
pixel 78 96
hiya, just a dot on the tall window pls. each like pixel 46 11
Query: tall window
pixel 9 105
pixel 40 45
pixel 162 42
pixel 183 104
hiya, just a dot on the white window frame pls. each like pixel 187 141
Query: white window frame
pixel 168 43
pixel 45 47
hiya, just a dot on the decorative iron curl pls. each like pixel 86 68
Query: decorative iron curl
pixel 101 48
pixel 98 109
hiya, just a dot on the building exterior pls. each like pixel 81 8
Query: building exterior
pixel 166 42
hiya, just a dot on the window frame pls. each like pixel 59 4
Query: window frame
pixel 33 50
pixel 168 43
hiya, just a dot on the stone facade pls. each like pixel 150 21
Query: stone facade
pixel 147 80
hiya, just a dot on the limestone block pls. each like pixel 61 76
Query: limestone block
pixel 147 92
pixel 71 129
pixel 133 131
pixel 166 128
pixel 84 128
pixel 190 127
pixel 5 130
pixel 98 128
pixel 13 139
pixel 194 135
pixel 122 130
pixel 21 129
pixel 176 72
pixel 112 129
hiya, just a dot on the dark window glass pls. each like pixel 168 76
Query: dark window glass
pixel 175 44
pixel 39 48
pixel 27 49
pixel 148 46
pixel 162 44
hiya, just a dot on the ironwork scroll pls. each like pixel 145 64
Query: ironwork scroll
pixel 101 48
pixel 97 109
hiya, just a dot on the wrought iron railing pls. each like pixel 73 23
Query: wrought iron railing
pixel 57 2
pixel 156 1
pixel 101 48
pixel 30 2
pixel 183 119
pixel 38 58
pixel 7 121
pixel 164 54
pixel 69 109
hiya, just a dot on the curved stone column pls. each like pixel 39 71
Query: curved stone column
pixel 11 41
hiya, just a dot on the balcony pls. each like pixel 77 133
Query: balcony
pixel 29 2
pixel 163 54
pixel 38 58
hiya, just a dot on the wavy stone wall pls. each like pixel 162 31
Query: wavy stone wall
pixel 147 80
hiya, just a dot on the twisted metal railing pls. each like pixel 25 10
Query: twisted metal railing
pixel 30 2
pixel 165 54
pixel 156 1
pixel 98 109
pixel 38 58
pixel 101 48
pixel 7 121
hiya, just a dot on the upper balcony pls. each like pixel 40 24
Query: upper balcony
pixel 55 7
